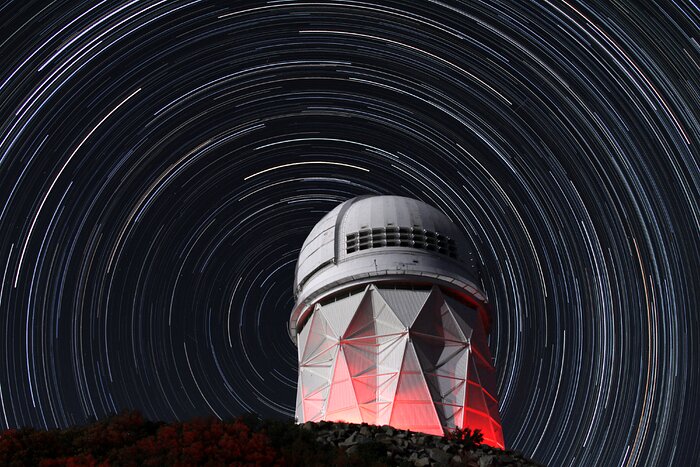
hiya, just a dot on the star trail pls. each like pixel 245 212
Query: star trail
pixel 161 163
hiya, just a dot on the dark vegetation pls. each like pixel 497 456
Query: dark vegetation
pixel 130 440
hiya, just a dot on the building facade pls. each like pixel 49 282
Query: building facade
pixel 390 325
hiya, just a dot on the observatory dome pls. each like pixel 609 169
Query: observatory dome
pixel 371 238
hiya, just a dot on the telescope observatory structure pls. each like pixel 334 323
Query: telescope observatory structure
pixel 390 325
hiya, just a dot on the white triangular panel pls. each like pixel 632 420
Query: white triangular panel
pixel 340 313
pixel 320 338
pixel 312 382
pixel 390 354
pixel 405 303
pixel 302 338
pixel 317 375
pixel 299 412
pixel 389 360
pixel 386 320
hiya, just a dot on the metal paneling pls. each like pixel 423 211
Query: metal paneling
pixel 424 377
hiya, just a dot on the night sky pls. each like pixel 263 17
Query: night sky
pixel 161 163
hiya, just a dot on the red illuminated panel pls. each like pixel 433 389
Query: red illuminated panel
pixel 342 403
pixel 413 406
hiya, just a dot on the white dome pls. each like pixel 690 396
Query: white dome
pixel 382 237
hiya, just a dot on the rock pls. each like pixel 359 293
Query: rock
pixel 395 450
pixel 471 456
pixel 439 455
pixel 351 441
pixel 404 447
pixel 308 426
pixel 505 459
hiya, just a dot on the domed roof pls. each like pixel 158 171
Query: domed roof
pixel 395 222
pixel 387 239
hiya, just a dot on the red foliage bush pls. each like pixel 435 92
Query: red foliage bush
pixel 128 440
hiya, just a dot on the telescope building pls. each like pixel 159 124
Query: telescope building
pixel 390 325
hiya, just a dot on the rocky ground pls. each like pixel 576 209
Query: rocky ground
pixel 406 448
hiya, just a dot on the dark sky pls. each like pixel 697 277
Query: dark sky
pixel 162 162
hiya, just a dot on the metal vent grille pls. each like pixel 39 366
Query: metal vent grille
pixel 411 237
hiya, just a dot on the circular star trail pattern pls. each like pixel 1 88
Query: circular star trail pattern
pixel 162 162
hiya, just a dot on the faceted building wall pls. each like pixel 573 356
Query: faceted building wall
pixel 412 358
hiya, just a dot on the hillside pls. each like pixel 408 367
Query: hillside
pixel 130 440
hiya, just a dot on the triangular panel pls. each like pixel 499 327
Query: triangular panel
pixel 445 380
pixel 299 412
pixel 436 319
pixel 362 324
pixel 313 408
pixel 383 415
pixel 413 405
pixel 405 303
pixel 475 399
pixel 428 322
pixel 369 413
pixel 449 323
pixel 450 390
pixel 315 375
pixel 452 414
pixel 489 427
pixel 386 320
pixel 493 409
pixel 465 316
pixel 485 372
pixel 390 354
pixel 362 366
pixel 453 361
pixel 320 337
pixel 342 403
pixel 340 313
pixel 302 338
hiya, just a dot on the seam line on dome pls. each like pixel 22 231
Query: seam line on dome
pixel 339 221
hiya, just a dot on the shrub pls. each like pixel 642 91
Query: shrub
pixel 466 437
